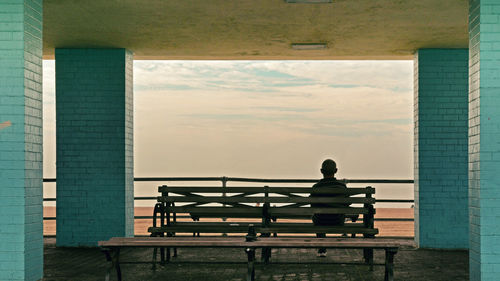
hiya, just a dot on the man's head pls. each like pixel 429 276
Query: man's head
pixel 328 168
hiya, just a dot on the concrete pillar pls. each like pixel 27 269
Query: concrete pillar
pixel 21 230
pixel 94 135
pixel 441 102
pixel 484 139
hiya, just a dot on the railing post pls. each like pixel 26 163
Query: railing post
pixel 224 186
pixel 368 221
pixel 266 221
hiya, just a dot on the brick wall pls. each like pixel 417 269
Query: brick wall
pixel 484 135
pixel 21 244
pixel 441 106
pixel 129 143
pixel 94 135
pixel 474 233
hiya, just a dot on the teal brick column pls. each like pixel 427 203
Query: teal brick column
pixel 484 139
pixel 441 157
pixel 94 135
pixel 21 229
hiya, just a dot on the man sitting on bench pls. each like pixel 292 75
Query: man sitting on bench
pixel 328 169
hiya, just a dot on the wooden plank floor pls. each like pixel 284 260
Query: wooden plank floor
pixel 78 264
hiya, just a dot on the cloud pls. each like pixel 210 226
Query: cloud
pixel 252 117
pixel 164 87
pixel 378 74
pixel 202 75
pixel 286 109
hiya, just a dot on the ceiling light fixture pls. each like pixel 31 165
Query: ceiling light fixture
pixel 309 46
pixel 309 1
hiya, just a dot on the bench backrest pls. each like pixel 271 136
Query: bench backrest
pixel 269 204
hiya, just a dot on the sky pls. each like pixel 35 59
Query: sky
pixel 265 119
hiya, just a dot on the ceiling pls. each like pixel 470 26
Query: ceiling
pixel 256 29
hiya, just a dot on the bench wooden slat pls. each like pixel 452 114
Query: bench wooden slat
pixel 256 211
pixel 309 211
pixel 217 210
pixel 320 229
pixel 217 223
pixel 258 189
pixel 201 229
pixel 226 215
pixel 227 242
pixel 277 229
pixel 247 223
pixel 203 224
pixel 261 199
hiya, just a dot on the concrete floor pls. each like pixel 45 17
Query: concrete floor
pixel 230 264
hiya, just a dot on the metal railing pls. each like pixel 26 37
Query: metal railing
pixel 225 180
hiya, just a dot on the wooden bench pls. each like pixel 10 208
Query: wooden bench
pixel 267 205
pixel 273 210
pixel 112 247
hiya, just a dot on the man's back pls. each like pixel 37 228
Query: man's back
pixel 328 219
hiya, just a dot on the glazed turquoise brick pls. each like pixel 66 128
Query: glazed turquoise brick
pixel 94 102
pixel 484 132
pixel 21 251
pixel 441 155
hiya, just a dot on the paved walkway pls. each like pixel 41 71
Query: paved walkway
pixel 230 264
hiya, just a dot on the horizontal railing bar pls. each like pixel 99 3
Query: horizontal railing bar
pixel 156 197
pixel 135 198
pixel 274 180
pixel 393 219
pixel 151 217
pixel 376 181
pixel 178 179
pixel 395 200
pixel 147 179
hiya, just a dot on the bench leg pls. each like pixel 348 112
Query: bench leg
pixel 155 253
pixel 251 264
pixel 109 259
pixel 368 256
pixel 113 256
pixel 266 254
pixel 389 264
pixel 168 255
pixel 162 256
pixel 266 251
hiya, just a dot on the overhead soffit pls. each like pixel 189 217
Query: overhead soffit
pixel 256 29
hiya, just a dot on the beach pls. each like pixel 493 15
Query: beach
pixel 386 228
